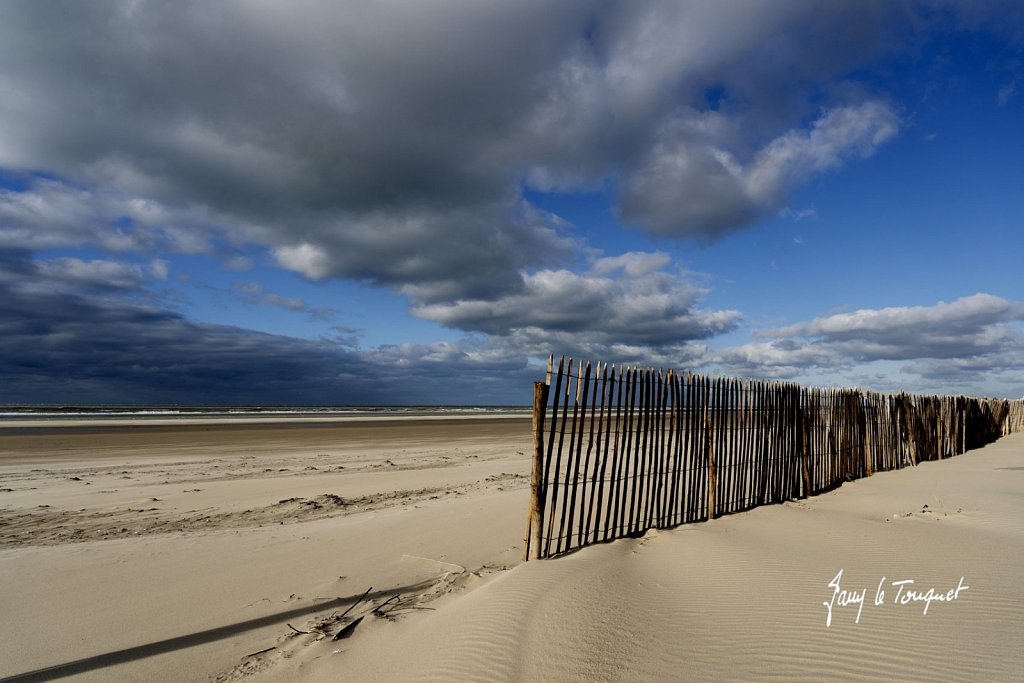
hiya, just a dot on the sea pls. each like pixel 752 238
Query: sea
pixel 143 412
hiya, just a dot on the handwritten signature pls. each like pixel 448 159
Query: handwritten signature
pixel 905 595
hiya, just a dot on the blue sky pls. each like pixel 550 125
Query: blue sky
pixel 406 202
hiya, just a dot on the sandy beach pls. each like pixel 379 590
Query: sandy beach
pixel 199 551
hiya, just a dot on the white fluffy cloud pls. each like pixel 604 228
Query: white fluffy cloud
pixel 69 275
pixel 970 326
pixel 56 214
pixel 970 340
pixel 621 306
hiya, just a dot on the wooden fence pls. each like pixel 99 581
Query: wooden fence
pixel 618 451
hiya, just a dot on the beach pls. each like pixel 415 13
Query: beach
pixel 228 549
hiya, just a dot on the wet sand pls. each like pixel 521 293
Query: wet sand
pixel 47 441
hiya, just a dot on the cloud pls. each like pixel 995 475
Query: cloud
pixel 975 375
pixel 254 293
pixel 381 155
pixel 308 259
pixel 74 330
pixel 797 215
pixel 61 346
pixel 837 135
pixel 967 340
pixel 621 302
pixel 388 142
pixel 432 254
pixel 159 268
pixel 969 326
pixel 691 184
pixel 94 274
pixel 53 213
pixel 103 278
pixel 777 360
pixel 238 263
pixel 1006 92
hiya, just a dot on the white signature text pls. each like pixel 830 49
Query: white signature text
pixel 905 593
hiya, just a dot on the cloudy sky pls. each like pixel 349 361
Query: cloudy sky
pixel 416 202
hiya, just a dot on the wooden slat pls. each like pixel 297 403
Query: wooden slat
pixel 678 416
pixel 600 475
pixel 626 479
pixel 615 493
pixel 595 427
pixel 558 457
pixel 575 455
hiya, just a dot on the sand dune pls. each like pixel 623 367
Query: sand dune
pixel 742 597
pixel 246 545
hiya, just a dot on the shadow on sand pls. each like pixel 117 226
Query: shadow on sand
pixel 159 647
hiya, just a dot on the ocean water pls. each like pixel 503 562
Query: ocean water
pixel 121 412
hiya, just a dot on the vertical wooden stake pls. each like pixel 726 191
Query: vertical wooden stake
pixel 805 439
pixel 535 520
pixel 871 425
pixel 910 412
pixel 963 428
pixel 710 445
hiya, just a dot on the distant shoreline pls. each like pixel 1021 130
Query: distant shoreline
pixel 91 423
pixel 89 417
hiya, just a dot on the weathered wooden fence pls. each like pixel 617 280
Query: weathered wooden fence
pixel 618 451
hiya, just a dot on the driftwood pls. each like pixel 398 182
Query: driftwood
pixel 379 609
pixel 353 605
pixel 388 608
pixel 347 631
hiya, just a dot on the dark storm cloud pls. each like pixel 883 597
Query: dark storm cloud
pixel 386 141
pixel 367 141
pixel 57 346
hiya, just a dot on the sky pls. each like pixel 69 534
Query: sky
pixel 408 202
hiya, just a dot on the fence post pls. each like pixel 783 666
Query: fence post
pixel 535 519
pixel 963 426
pixel 865 432
pixel 866 424
pixel 912 414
